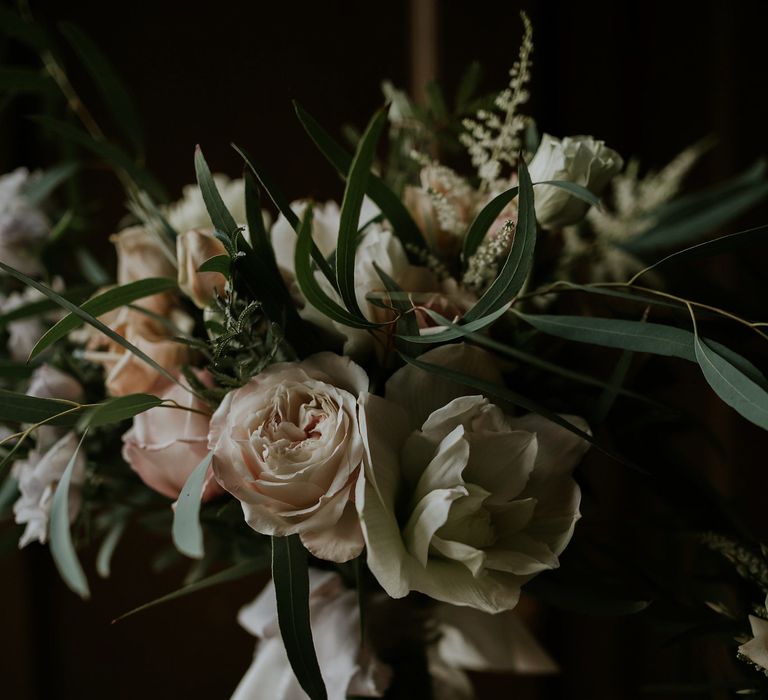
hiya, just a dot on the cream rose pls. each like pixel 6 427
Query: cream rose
pixel 377 245
pixel 165 444
pixel 190 211
pixel 348 669
pixel 193 248
pixel 23 226
pixel 127 373
pixel 140 255
pixel 579 159
pixel 756 649
pixel 288 446
pixel 38 476
pixel 47 382
pixel 460 501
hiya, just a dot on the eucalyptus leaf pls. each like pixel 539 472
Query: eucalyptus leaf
pixel 735 388
pixel 291 576
pixel 88 318
pixel 102 303
pixel 20 408
pixel 233 573
pixel 62 548
pixel 284 207
pixel 637 336
pixel 186 531
pixel 311 288
pixel 397 214
pixel 13 25
pixel 119 409
pixel 482 222
pixel 354 192
pixel 691 217
pixel 517 265
pixel 220 217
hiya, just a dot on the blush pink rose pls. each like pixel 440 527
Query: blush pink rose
pixel 288 446
pixel 165 444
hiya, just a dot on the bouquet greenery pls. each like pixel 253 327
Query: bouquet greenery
pixel 382 400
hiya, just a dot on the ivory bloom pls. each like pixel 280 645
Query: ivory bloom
pixel 377 245
pixel 22 226
pixel 193 248
pixel 582 160
pixel 38 476
pixel 189 212
pixel 460 501
pixel 126 373
pixel 756 649
pixel 164 445
pixel 347 668
pixel 288 446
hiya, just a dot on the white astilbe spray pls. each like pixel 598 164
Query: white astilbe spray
pixel 483 266
pixel 493 138
pixel 635 198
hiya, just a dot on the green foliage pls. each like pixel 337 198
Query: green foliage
pixel 291 577
pixel 357 181
pixel 103 303
pixel 518 264
pixel 62 547
pixel 186 531
pixel 119 409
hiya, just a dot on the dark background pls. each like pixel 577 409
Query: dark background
pixel 648 77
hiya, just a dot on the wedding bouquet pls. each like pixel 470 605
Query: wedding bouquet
pixel 381 399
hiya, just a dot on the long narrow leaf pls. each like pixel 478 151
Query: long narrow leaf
pixel 404 226
pixel 115 95
pixel 119 409
pixel 102 303
pixel 357 181
pixel 88 318
pixel 517 265
pixel 186 531
pixel 483 221
pixel 309 285
pixel 222 220
pixel 284 207
pixel 62 548
pixel 637 336
pixel 735 388
pixel 20 408
pixel 231 574
pixel 291 576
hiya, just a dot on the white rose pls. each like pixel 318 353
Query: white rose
pixel 347 668
pixel 756 649
pixel 38 476
pixel 190 212
pixel 24 333
pixel 193 248
pixel 22 226
pixel 470 504
pixel 377 245
pixel 287 444
pixel 579 159
pixel 48 382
